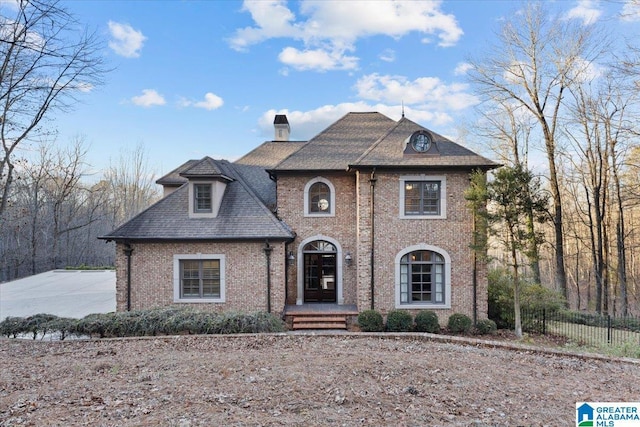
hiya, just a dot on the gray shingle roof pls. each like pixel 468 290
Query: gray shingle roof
pixel 270 153
pixel 242 215
pixel 339 145
pixel 390 151
pixel 173 178
pixel 372 139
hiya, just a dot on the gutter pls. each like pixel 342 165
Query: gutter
pixel 267 251
pixel 372 182
pixel 128 250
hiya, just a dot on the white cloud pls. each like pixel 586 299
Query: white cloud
pixel 318 59
pixel 587 10
pixel 149 98
pixel 307 124
pixel 125 40
pixel 328 29
pixel 631 11
pixel 211 102
pixel 388 55
pixel 462 68
pixel 429 92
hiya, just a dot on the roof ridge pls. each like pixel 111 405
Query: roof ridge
pixel 241 180
pixel 377 142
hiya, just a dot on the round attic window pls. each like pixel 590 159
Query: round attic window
pixel 420 141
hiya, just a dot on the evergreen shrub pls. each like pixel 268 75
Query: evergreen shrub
pixel 427 321
pixel 459 322
pixel 399 321
pixel 370 321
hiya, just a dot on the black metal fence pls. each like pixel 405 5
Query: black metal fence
pixel 582 328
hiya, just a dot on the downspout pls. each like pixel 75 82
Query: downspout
pixel 128 250
pixel 267 252
pixel 372 182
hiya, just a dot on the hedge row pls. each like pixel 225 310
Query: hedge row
pixel 161 321
pixel 424 321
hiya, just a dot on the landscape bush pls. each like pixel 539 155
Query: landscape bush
pixel 459 322
pixel 370 321
pixel 399 321
pixel 486 326
pixel 427 321
pixel 533 296
pixel 160 321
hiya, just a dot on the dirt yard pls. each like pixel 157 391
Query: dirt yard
pixel 272 380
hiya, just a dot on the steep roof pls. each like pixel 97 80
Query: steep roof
pixel 243 214
pixel 270 153
pixel 373 139
pixel 390 150
pixel 174 178
pixel 339 145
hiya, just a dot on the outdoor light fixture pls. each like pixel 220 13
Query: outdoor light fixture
pixel 347 258
pixel 291 259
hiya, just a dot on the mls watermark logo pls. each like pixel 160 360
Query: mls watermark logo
pixel 608 414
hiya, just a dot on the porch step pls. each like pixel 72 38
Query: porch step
pixel 319 321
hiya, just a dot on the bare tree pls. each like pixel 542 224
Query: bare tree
pixel 533 63
pixel 46 61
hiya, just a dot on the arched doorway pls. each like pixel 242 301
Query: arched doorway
pixel 319 271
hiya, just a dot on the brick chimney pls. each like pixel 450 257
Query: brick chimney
pixel 282 129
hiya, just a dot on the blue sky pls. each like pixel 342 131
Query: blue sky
pixel 196 78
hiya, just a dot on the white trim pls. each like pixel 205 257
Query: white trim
pixel 300 268
pixel 217 191
pixel 176 277
pixel 443 195
pixel 447 277
pixel 332 197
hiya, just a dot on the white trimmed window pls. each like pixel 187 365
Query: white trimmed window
pixel 319 198
pixel 205 198
pixel 423 196
pixel 198 278
pixel 423 278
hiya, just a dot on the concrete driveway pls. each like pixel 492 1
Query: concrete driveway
pixel 65 293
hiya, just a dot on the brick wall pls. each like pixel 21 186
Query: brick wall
pixel 245 275
pixel 351 227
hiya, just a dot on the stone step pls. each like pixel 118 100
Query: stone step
pixel 320 319
pixel 320 325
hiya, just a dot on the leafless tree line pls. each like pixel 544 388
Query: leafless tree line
pixel 56 211
pixel 561 98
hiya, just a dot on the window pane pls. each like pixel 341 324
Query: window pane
pixel 422 275
pixel 319 198
pixel 202 197
pixel 200 279
pixel 422 198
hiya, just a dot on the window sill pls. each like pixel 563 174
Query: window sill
pixel 319 215
pixel 198 301
pixel 423 306
pixel 423 217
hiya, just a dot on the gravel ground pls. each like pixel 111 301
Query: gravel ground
pixel 306 380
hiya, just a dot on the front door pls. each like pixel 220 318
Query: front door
pixel 319 272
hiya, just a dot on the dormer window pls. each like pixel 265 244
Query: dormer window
pixel 421 141
pixel 202 198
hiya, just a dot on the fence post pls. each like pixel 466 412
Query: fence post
pixel 608 329
pixel 544 321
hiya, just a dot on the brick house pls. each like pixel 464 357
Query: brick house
pixel 369 213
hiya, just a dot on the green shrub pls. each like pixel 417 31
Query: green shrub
pixel 13 326
pixel 427 321
pixel 459 322
pixel 532 297
pixel 399 321
pixel 370 321
pixel 64 326
pixel 486 326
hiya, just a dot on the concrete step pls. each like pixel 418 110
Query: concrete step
pixel 320 325
pixel 316 318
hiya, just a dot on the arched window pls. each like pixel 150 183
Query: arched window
pixel 422 275
pixel 319 198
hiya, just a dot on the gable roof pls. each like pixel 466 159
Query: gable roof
pixel 173 178
pixel 243 214
pixel 373 139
